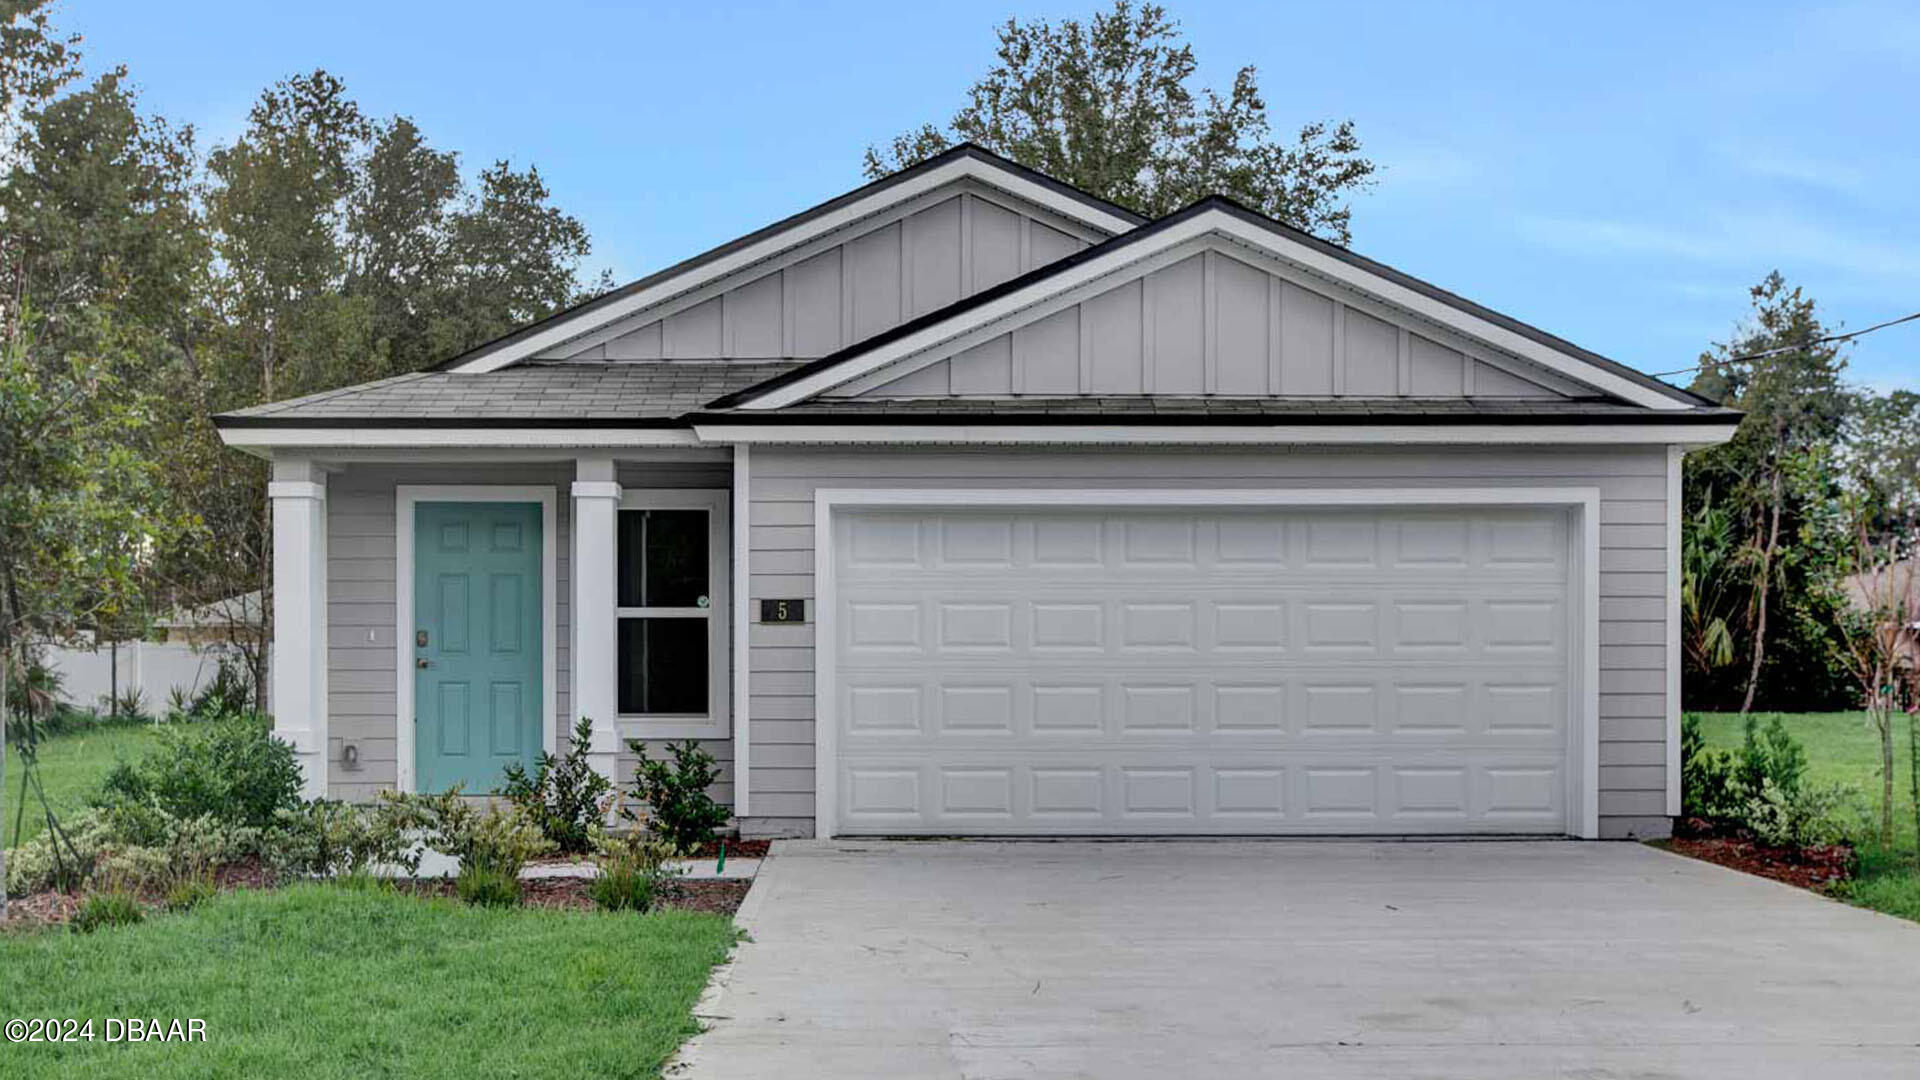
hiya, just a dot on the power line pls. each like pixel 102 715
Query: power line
pixel 1791 348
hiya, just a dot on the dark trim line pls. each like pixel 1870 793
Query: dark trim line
pixel 962 150
pixel 1254 217
pixel 896 419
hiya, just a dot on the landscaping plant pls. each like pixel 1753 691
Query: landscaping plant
pixel 105 910
pixel 565 796
pixel 679 809
pixel 634 869
pixel 328 838
pixel 231 769
pixel 492 845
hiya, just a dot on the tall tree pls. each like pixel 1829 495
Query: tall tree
pixel 1790 387
pixel 1108 107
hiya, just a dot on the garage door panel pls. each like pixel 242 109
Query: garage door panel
pixel 1314 671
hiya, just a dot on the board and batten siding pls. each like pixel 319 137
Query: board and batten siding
pixel 361 584
pixel 861 280
pixel 1632 481
pixel 1216 324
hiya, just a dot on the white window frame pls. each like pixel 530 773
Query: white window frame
pixel 1583 735
pixel 715 723
pixel 405 498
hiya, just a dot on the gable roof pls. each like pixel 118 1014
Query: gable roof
pixel 963 161
pixel 1215 214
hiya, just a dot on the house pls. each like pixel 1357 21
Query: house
pixel 230 619
pixel 969 503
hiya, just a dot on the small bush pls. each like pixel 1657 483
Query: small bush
pixel 1807 816
pixel 231 769
pixel 1707 782
pixel 187 893
pixel 634 869
pixel 64 861
pixel 1770 756
pixel 564 797
pixel 492 845
pixel 105 910
pixel 328 838
pixel 487 886
pixel 679 809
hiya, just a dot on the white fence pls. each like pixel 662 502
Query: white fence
pixel 88 676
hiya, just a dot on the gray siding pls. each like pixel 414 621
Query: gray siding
pixel 866 278
pixel 361 583
pixel 1213 324
pixel 1633 585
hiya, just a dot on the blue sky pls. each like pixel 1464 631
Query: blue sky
pixel 1616 173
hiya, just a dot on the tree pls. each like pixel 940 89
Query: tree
pixel 1710 562
pixel 1107 107
pixel 81 507
pixel 1790 388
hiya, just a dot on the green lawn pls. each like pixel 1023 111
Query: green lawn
pixel 1843 748
pixel 72 767
pixel 319 981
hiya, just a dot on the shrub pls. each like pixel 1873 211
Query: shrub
pixel 492 845
pixel 229 691
pixel 487 886
pixel 104 910
pixel 328 838
pixel 1772 756
pixel 564 797
pixel 1707 784
pixel 634 869
pixel 231 769
pixel 187 893
pixel 1806 816
pixel 45 862
pixel 679 809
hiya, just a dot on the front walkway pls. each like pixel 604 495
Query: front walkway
pixel 1205 960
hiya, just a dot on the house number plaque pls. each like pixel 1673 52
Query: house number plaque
pixel 783 611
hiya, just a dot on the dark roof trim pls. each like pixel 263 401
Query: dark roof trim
pixel 1196 418
pixel 1211 202
pixel 964 150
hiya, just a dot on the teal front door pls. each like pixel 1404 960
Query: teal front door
pixel 477 642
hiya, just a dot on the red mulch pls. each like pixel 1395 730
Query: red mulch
pixel 736 849
pixel 570 894
pixel 1817 868
pixel 45 909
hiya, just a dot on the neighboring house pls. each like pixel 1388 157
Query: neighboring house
pixel 968 503
pixel 1892 591
pixel 220 622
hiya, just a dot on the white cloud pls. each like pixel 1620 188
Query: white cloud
pixel 1776 163
pixel 1772 238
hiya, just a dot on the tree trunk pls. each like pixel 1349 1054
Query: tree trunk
pixel 1883 718
pixel 1766 589
pixel 5 668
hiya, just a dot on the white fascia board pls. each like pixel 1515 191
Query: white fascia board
pixel 1238 435
pixel 388 438
pixel 1229 225
pixel 962 167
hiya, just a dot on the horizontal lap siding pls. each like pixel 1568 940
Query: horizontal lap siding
pixel 362 701
pixel 1633 587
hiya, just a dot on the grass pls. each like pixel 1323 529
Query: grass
pixel 1841 748
pixel 321 981
pixel 1844 748
pixel 72 767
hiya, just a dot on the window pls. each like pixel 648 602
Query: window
pixel 671 606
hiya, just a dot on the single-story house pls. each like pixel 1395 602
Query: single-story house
pixel 969 503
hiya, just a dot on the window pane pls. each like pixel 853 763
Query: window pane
pixel 663 666
pixel 663 558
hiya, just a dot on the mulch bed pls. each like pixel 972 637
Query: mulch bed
pixel 570 894
pixel 736 849
pixel 1818 868
pixel 45 909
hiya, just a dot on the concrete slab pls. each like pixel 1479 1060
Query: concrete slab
pixel 1318 960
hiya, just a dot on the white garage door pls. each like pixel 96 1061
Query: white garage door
pixel 1233 671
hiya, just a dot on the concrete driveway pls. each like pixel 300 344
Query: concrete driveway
pixel 1199 960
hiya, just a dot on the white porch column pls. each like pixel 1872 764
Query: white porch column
pixel 298 492
pixel 596 505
